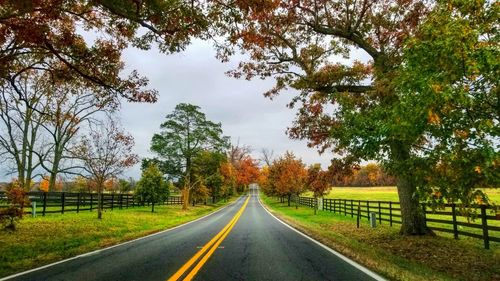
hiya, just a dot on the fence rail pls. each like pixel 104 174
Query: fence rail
pixel 62 202
pixel 484 225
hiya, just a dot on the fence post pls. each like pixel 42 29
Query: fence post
pixel 345 207
pixel 62 204
pixel 126 202
pixel 379 213
pixel 368 210
pixel 44 203
pixel 352 209
pixel 454 215
pixel 357 218
pixel 33 209
pixel 91 200
pixel 112 201
pixel 484 220
pixel 121 201
pixel 424 208
pixel 390 213
pixel 334 206
pixel 78 203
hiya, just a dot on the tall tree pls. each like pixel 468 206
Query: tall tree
pixel 345 105
pixel 449 92
pixel 207 166
pixel 69 107
pixel 105 154
pixel 267 156
pixel 184 135
pixel 20 124
pixel 237 152
pixel 228 173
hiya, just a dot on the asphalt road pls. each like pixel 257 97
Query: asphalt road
pixel 258 247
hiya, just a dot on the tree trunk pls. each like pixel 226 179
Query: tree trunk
pixel 412 215
pixel 289 198
pixel 185 198
pixel 153 207
pixel 52 182
pixel 99 201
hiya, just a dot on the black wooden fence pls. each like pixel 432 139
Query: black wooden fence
pixel 62 202
pixel 484 224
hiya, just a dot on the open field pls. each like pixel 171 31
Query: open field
pixel 397 257
pixel 385 193
pixel 43 240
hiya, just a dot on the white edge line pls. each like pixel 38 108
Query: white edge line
pixel 344 258
pixel 111 247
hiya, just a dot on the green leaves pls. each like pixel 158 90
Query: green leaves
pixel 449 92
pixel 152 187
pixel 185 134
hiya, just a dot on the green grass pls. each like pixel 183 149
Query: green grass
pixel 385 193
pixel 42 240
pixel 394 256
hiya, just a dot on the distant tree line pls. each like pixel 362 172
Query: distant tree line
pixel 371 174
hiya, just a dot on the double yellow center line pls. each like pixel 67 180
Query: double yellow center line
pixel 211 246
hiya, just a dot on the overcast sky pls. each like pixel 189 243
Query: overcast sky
pixel 195 76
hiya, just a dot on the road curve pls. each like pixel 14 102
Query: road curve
pixel 258 247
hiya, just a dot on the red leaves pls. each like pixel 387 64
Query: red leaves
pixel 318 181
pixel 17 200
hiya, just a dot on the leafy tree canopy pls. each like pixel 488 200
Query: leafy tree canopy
pixel 48 34
pixel 449 100
pixel 185 135
pixel 152 188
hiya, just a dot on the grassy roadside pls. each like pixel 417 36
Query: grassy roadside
pixel 386 252
pixel 42 240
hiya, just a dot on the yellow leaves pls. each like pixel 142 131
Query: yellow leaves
pixel 477 169
pixel 433 118
pixel 436 88
pixel 15 183
pixel 463 134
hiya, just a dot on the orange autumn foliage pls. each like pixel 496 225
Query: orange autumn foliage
pixel 287 175
pixel 247 172
pixel 228 171
pixel 44 184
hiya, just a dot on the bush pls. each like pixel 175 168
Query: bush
pixel 17 200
